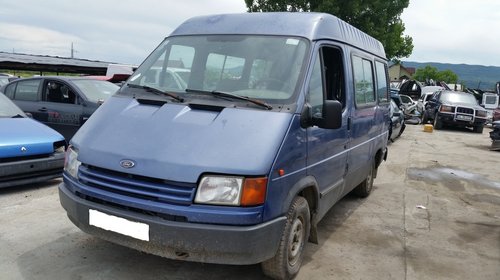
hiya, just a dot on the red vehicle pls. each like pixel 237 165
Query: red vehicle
pixel 496 114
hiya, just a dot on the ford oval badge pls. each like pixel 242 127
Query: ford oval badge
pixel 126 163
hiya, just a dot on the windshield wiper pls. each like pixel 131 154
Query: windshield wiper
pixel 233 96
pixel 17 116
pixel 157 91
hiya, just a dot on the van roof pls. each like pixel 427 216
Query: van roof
pixel 312 26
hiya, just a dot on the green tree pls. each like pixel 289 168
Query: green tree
pixel 429 72
pixel 426 73
pixel 447 76
pixel 379 18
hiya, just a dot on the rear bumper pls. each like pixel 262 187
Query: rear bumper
pixel 182 240
pixel 31 171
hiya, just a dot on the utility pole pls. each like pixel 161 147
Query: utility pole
pixel 72 50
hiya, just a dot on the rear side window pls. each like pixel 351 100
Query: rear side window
pixel 381 71
pixel 27 90
pixel 363 81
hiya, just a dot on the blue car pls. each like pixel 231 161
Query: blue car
pixel 30 152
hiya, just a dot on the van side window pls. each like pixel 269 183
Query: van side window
pixel 327 79
pixel 382 92
pixel 363 81
pixel 315 96
pixel 27 90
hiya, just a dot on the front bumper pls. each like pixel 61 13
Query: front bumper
pixel 28 171
pixel 182 240
pixel 452 119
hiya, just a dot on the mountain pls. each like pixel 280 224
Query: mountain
pixel 473 76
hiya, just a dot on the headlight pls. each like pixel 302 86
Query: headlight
pixel 229 190
pixel 71 163
pixel 446 108
pixel 482 114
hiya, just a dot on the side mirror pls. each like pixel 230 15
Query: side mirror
pixel 29 115
pixel 331 116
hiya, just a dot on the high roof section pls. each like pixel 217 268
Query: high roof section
pixel 312 26
pixel 43 63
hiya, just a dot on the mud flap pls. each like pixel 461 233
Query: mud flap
pixel 313 235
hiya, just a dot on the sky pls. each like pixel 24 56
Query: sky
pixel 125 31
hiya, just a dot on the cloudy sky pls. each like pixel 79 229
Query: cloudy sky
pixel 126 31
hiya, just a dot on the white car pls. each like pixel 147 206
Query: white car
pixel 426 96
pixel 408 103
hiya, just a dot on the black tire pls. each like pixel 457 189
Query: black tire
pixel 425 119
pixel 288 259
pixel 365 188
pixel 478 129
pixel 438 124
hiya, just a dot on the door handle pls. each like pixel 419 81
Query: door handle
pixel 43 109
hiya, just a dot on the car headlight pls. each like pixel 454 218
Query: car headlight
pixel 231 190
pixel 482 114
pixel 446 108
pixel 71 163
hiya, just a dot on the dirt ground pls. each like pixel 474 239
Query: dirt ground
pixel 434 214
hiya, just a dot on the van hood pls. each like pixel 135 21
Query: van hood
pixel 18 133
pixel 178 143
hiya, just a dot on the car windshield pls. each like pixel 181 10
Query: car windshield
pixel 96 90
pixel 453 97
pixel 7 108
pixel 261 67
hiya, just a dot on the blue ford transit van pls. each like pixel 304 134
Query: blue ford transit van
pixel 233 139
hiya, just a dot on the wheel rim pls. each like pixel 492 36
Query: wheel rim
pixel 296 241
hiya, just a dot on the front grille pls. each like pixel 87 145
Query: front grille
pixel 141 187
pixel 167 217
pixel 464 110
pixel 23 158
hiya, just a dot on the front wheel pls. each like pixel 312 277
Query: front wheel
pixel 288 259
pixel 438 124
pixel 478 129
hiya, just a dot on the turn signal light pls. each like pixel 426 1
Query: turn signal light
pixel 254 191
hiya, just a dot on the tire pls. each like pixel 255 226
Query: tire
pixel 288 259
pixel 478 129
pixel 425 119
pixel 438 124
pixel 365 188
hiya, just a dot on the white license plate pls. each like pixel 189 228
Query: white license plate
pixel 119 225
pixel 464 118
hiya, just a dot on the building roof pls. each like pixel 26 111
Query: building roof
pixel 45 63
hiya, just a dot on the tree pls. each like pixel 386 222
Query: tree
pixel 378 18
pixel 429 72
pixel 448 77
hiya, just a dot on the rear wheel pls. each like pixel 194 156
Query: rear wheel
pixel 288 259
pixel 365 188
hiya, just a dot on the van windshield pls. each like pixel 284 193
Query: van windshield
pixel 261 67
